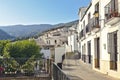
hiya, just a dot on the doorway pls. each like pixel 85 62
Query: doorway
pixel 97 52
pixel 89 51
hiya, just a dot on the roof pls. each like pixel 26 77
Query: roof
pixel 81 9
pixel 86 11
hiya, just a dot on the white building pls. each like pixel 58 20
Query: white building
pixel 59 53
pixel 72 38
pixel 46 53
pixel 99 36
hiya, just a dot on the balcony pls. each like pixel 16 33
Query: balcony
pixel 81 34
pixel 95 24
pixel 112 14
pixel 88 27
pixel 77 39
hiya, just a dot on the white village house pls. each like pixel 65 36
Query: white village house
pixel 99 36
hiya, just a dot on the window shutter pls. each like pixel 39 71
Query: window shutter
pixel 112 43
pixel 109 42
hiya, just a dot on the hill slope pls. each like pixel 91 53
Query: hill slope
pixel 22 31
pixel 25 30
pixel 4 35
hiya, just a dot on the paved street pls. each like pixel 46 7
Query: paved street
pixel 77 70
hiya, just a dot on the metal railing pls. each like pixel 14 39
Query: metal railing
pixel 92 24
pixel 23 69
pixel 81 34
pixel 25 78
pixel 95 22
pixel 87 28
pixel 58 74
pixel 111 9
pixel 89 25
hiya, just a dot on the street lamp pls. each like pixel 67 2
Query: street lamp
pixel 96 14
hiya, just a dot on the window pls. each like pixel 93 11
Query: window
pixel 47 35
pixel 111 9
pixel 84 23
pixel 55 41
pixel 112 42
pixel 89 16
pixel 84 49
pixel 97 7
pixel 81 27
pixel 114 5
pixel 84 30
pixel 112 49
pixel 49 41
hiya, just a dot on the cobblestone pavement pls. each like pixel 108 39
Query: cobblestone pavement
pixel 77 70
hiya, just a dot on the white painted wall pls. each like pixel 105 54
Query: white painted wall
pixel 73 42
pixel 103 34
pixel 46 53
pixel 67 48
pixel 59 52
pixel 119 44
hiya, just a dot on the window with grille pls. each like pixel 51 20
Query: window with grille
pixel 112 42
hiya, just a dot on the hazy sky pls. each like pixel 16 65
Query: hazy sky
pixel 39 11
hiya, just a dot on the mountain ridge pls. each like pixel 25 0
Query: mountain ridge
pixel 19 31
pixel 4 35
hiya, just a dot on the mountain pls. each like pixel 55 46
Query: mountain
pixel 4 35
pixel 23 31
pixel 68 24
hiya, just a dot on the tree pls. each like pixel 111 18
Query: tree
pixel 21 51
pixel 2 45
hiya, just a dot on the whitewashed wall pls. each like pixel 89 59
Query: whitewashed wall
pixel 59 52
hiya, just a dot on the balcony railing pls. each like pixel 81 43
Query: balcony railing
pixel 77 39
pixel 111 10
pixel 95 24
pixel 23 69
pixel 58 74
pixel 88 26
pixel 81 34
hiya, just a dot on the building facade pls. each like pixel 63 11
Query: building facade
pixel 99 36
pixel 72 38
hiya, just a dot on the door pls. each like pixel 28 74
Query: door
pixel 97 52
pixel 89 52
